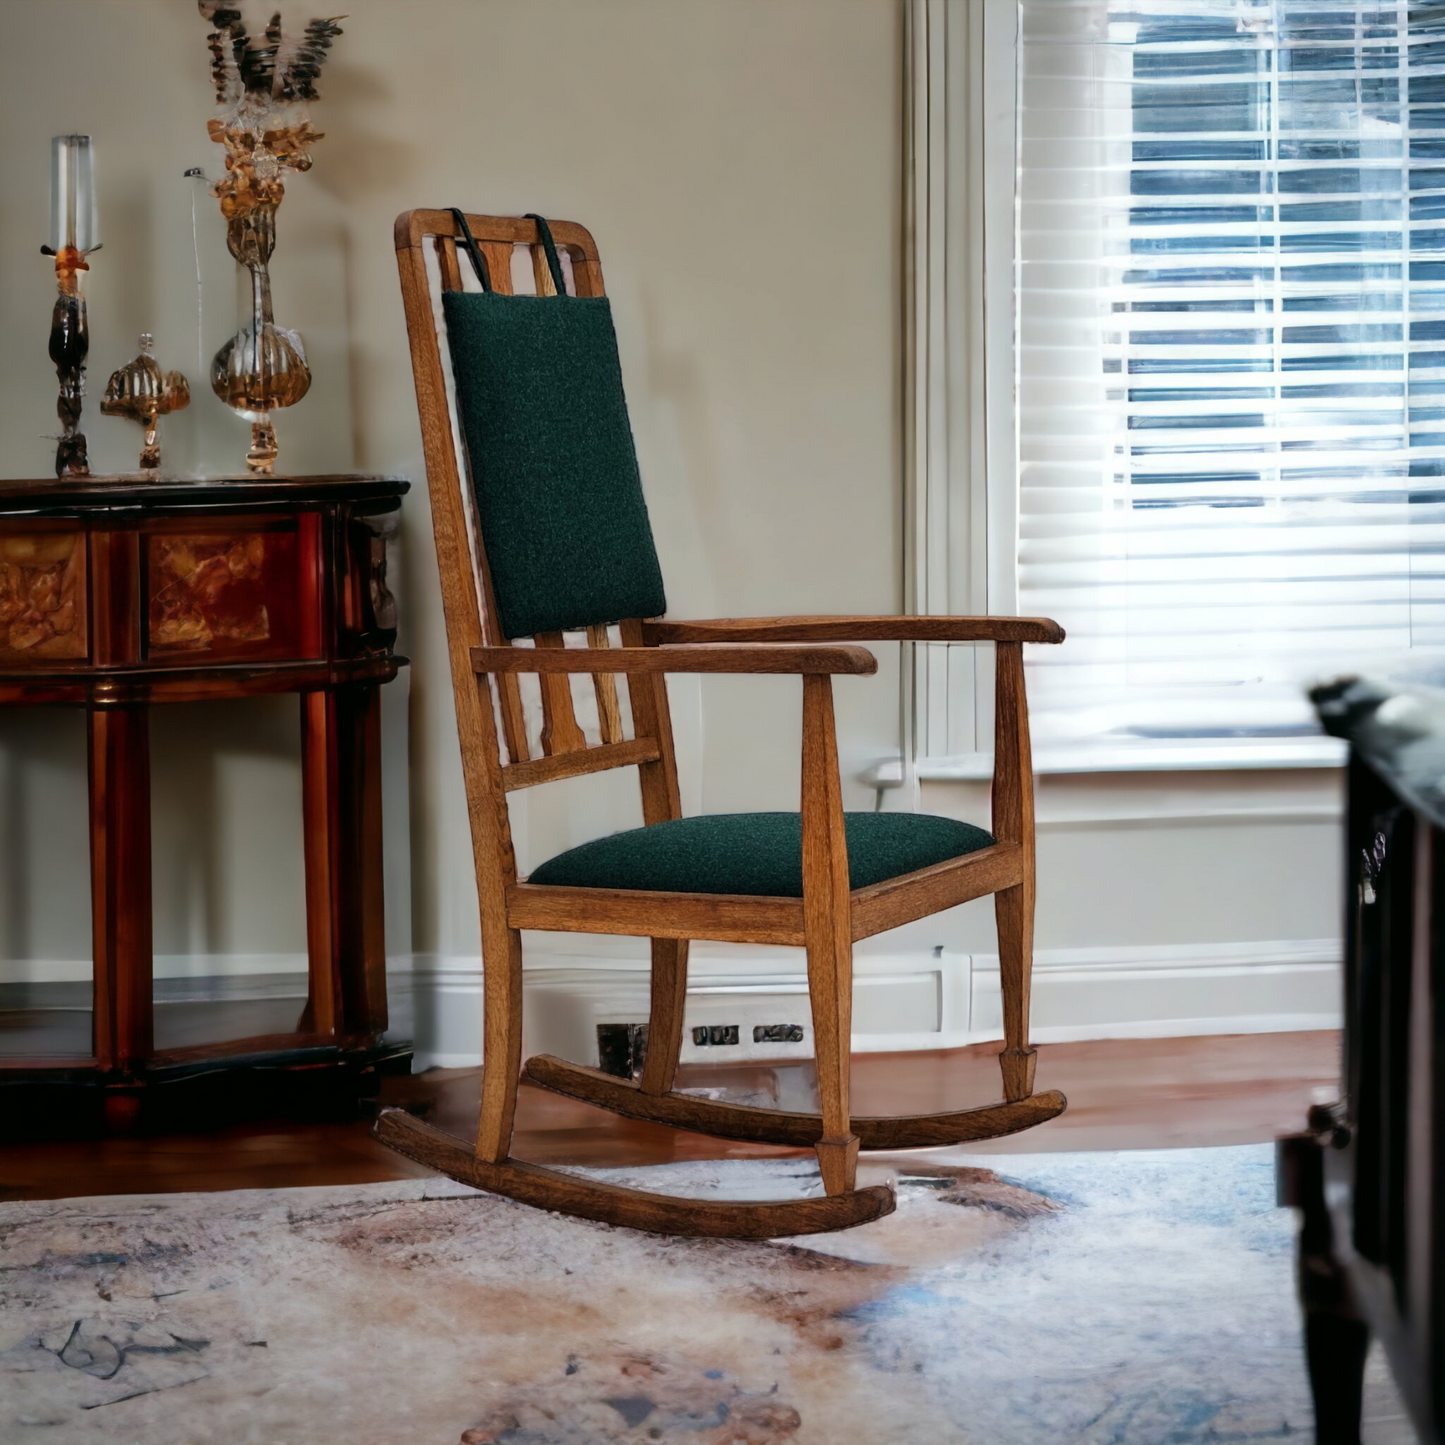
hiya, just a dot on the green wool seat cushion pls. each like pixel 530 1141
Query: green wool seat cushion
pixel 758 853
pixel 553 466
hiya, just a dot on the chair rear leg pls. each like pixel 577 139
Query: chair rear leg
pixel 501 1041
pixel 1014 913
pixel 664 1020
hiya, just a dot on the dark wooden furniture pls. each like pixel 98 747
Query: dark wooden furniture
pixel 828 917
pixel 1369 1176
pixel 116 594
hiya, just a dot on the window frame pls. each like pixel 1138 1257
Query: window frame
pixel 960 470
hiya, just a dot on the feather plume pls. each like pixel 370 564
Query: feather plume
pixel 224 42
pixel 299 61
pixel 257 63
pixel 286 68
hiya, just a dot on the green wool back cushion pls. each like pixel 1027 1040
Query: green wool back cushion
pixel 553 466
pixel 759 853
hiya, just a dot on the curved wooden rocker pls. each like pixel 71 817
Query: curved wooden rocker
pixel 819 909
pixel 635 1208
pixel 777 1126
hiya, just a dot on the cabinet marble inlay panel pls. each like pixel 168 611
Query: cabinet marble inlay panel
pixel 42 595
pixel 225 593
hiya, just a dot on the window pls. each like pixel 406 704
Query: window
pixel 1229 363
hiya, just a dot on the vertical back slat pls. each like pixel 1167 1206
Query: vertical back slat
pixel 514 716
pixel 451 270
pixel 499 264
pixel 542 272
pixel 609 715
pixel 560 733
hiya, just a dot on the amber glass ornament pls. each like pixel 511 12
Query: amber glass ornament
pixel 264 83
pixel 141 391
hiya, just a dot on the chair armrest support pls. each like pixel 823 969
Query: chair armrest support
pixel 856 629
pixel 854 661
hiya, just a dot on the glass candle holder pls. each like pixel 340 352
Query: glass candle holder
pixel 72 239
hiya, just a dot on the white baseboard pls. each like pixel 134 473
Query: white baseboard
pixel 167 965
pixel 902 1002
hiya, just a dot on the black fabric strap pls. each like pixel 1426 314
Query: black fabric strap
pixel 553 264
pixel 479 261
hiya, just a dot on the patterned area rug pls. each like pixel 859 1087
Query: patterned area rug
pixel 1106 1299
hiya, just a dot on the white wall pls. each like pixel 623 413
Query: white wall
pixel 739 162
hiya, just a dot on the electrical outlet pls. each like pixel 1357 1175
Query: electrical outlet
pixel 778 1034
pixel 714 1034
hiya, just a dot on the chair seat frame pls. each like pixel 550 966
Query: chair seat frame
pixel 826 921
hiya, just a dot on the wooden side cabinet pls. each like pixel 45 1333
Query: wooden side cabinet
pixel 1369 1175
pixel 116 594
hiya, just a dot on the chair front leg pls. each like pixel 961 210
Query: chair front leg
pixel 1013 822
pixel 828 932
pixel 1014 912
pixel 501 1040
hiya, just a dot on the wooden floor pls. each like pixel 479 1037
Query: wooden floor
pixel 1123 1094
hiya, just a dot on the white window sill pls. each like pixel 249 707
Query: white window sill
pixel 1146 755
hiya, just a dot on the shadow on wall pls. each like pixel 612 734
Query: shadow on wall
pixel 226 833
pixel 44 849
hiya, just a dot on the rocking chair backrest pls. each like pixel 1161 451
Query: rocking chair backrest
pixel 537 539
pixel 553 467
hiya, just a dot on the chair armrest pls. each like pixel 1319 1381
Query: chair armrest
pixel 857 661
pixel 857 629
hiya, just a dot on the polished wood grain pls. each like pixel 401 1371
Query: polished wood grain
pixel 1123 1094
pixel 551 657
pixel 298 1040
pixel 828 931
pixel 315 585
pixel 609 713
pixel 120 889
pixel 651 718
pixel 576 764
pixel 560 731
pixel 642 913
pixel 668 1004
pixel 320 802
pixel 345 911
pixel 1013 822
pixel 634 1208
pixel 778 1126
pixel 897 901
pixel 135 686
pixel 52 496
pixel 857 629
pixel 495 233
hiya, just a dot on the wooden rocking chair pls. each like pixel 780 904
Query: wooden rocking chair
pixel 734 878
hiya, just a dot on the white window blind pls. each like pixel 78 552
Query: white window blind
pixel 1230 357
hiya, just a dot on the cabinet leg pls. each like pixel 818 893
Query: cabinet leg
pixel 345 921
pixel 120 885
pixel 1335 1348
pixel 1336 1338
